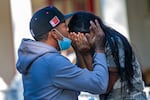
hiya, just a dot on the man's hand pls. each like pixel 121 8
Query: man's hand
pixel 79 42
pixel 82 50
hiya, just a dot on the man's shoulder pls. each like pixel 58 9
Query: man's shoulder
pixel 55 58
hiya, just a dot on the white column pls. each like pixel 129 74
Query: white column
pixel 114 15
pixel 21 13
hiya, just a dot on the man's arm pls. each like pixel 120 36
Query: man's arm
pixel 84 60
pixel 72 77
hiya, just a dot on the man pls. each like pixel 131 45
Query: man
pixel 125 78
pixel 47 75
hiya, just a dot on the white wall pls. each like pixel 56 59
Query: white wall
pixel 139 28
pixel 7 64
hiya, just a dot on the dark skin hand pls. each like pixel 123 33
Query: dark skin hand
pixel 96 37
pixel 82 48
pixel 82 44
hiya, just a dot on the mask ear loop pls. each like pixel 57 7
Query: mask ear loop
pixel 59 32
pixel 60 35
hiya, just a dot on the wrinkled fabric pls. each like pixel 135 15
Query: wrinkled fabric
pixel 47 75
pixel 120 89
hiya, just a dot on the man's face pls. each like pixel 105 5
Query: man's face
pixel 63 29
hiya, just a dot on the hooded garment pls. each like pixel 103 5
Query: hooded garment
pixel 47 75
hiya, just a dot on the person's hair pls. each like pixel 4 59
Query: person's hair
pixel 80 22
pixel 41 37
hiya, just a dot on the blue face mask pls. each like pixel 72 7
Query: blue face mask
pixel 65 43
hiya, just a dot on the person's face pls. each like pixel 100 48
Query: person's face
pixel 63 29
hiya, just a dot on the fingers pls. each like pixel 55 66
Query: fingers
pixel 93 24
pixel 79 41
pixel 72 36
pixel 81 38
pixel 87 35
pixel 96 28
pixel 92 28
pixel 99 27
pixel 78 38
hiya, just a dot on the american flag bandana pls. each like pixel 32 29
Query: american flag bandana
pixel 54 21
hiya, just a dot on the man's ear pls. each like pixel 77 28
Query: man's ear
pixel 54 35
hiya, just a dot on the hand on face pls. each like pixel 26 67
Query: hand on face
pixel 79 42
pixel 96 37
